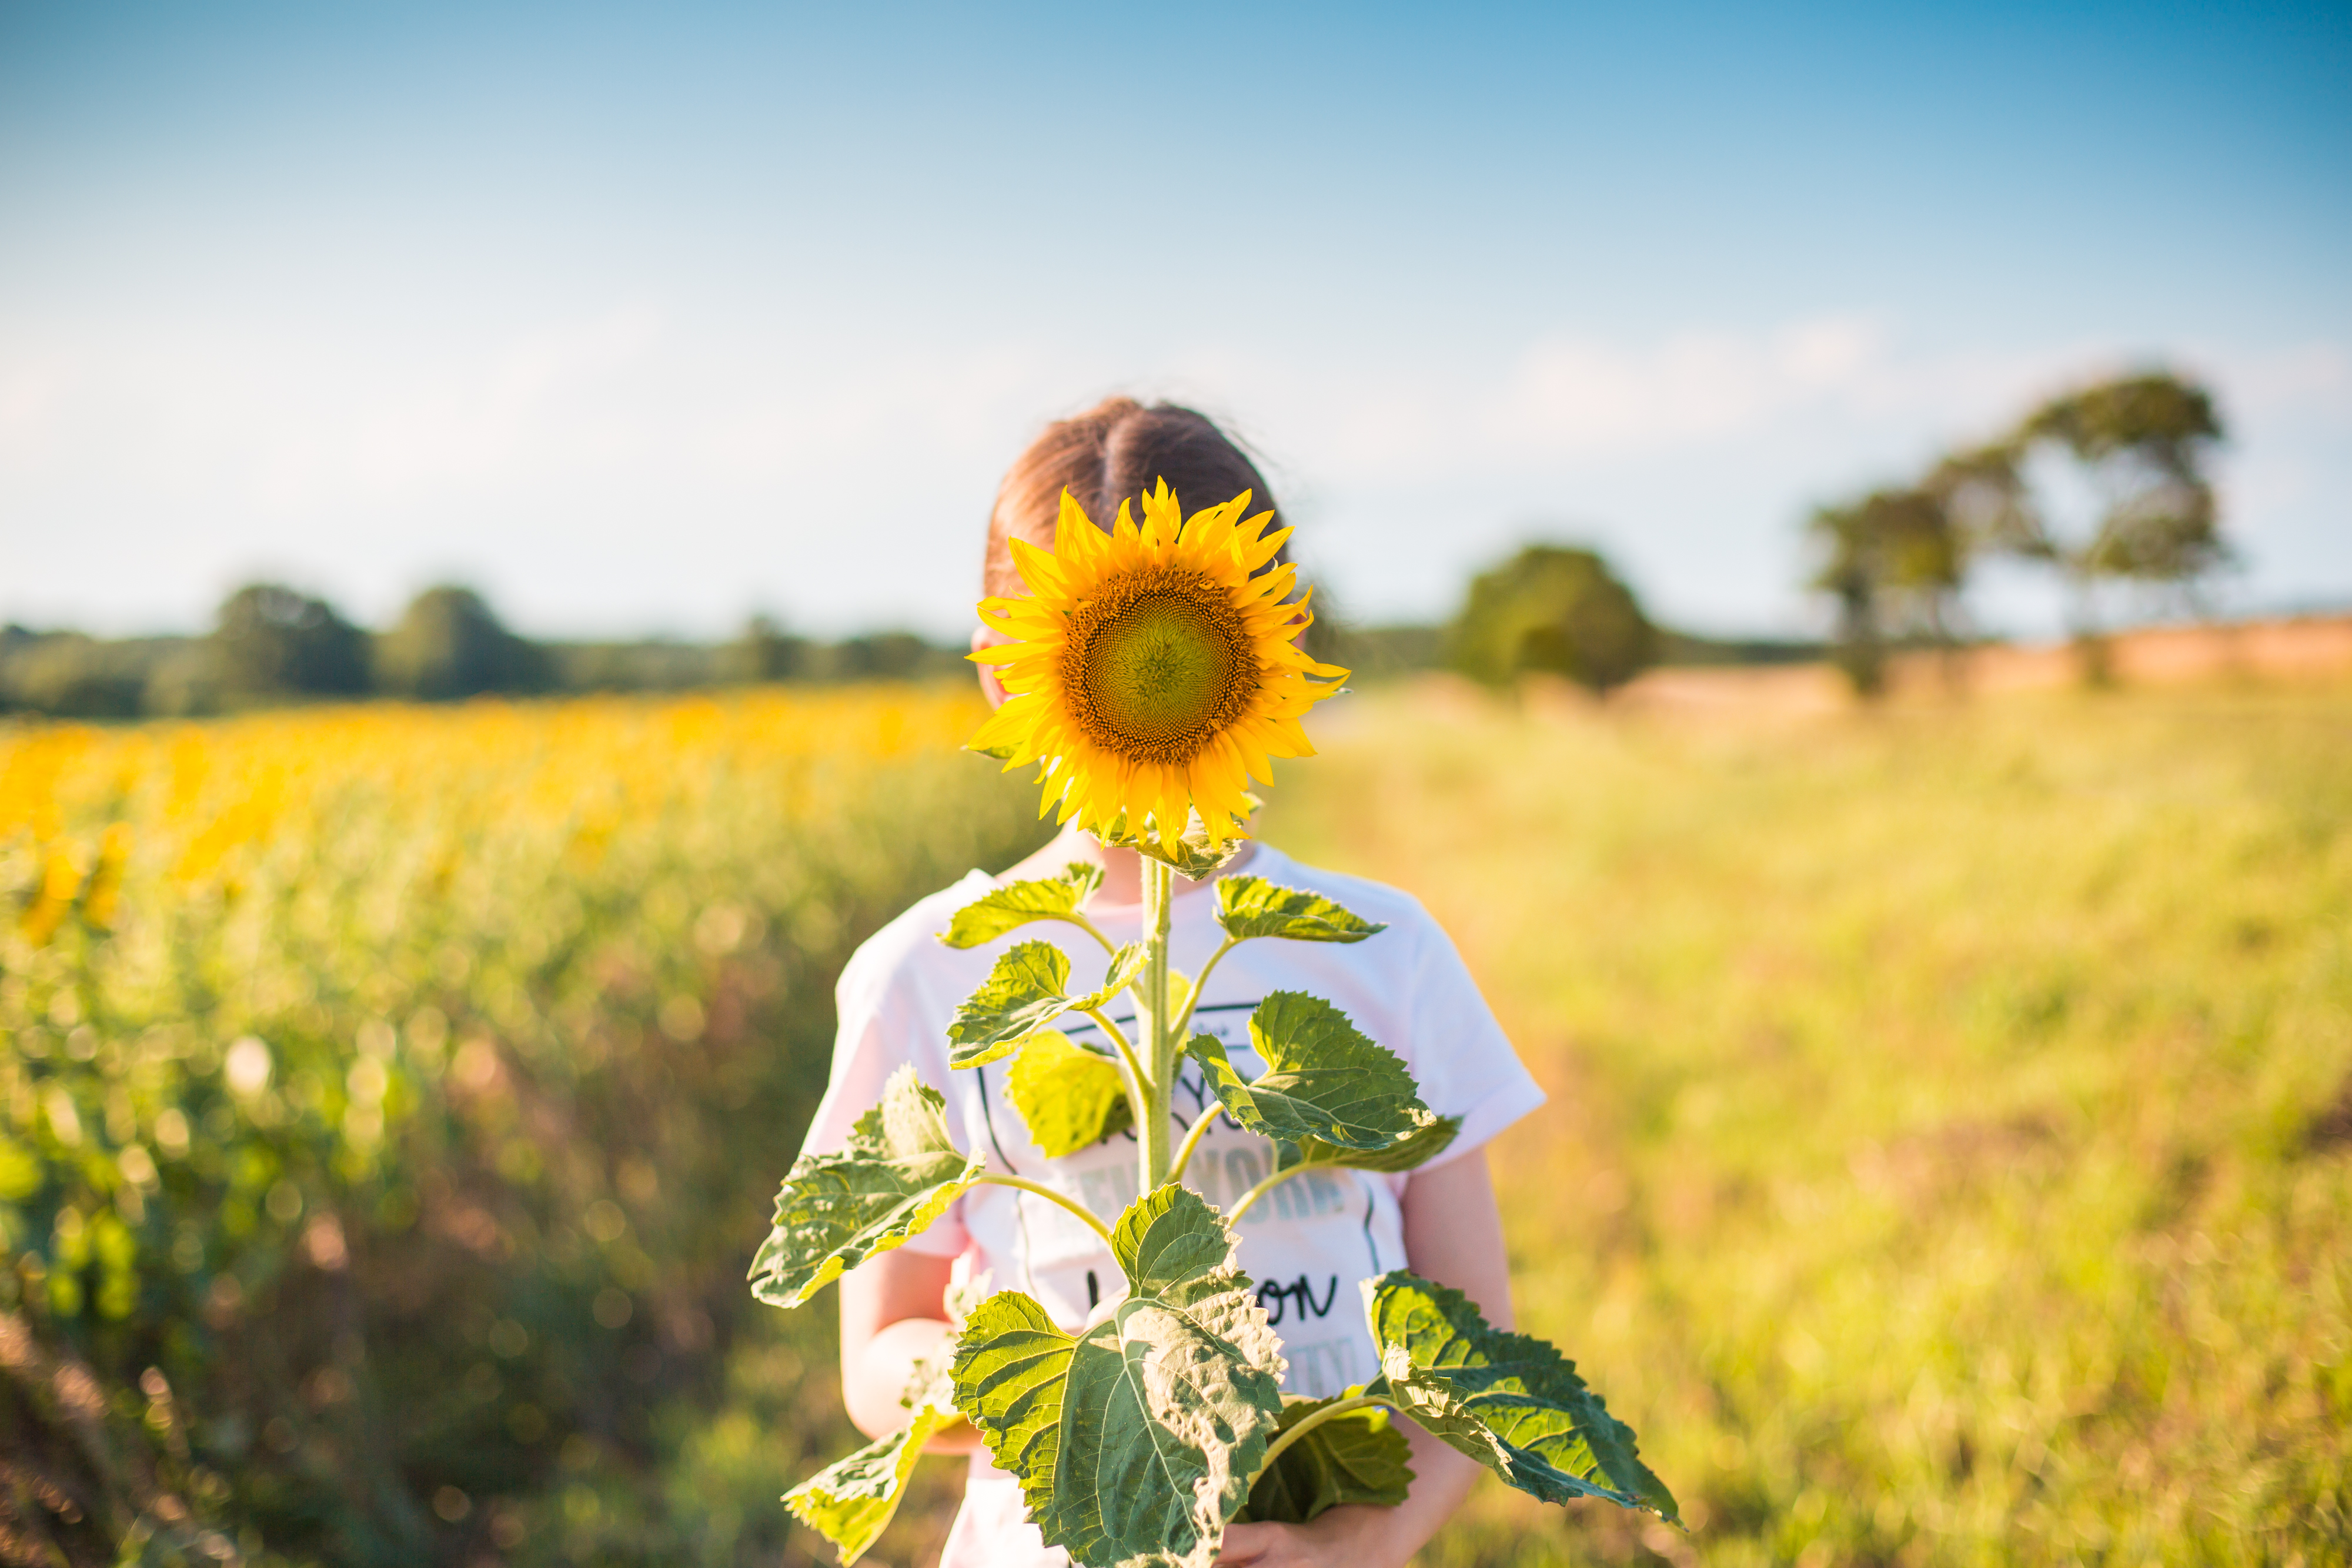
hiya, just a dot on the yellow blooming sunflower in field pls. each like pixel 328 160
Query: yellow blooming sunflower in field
pixel 1149 672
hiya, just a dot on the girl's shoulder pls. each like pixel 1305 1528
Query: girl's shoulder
pixel 910 944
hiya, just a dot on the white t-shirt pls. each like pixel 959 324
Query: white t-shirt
pixel 1308 1243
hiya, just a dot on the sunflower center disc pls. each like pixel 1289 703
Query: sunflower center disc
pixel 1159 663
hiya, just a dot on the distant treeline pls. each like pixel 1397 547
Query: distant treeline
pixel 273 644
pixel 1380 652
pixel 1551 609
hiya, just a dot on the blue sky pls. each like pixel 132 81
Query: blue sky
pixel 644 319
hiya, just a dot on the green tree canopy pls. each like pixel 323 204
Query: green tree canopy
pixel 271 639
pixel 2144 442
pixel 1985 498
pixel 1848 574
pixel 1556 609
pixel 1895 562
pixel 448 645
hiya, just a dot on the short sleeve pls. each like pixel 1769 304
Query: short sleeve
pixel 1464 1062
pixel 881 1030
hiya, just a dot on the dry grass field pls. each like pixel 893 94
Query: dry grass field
pixel 1951 1151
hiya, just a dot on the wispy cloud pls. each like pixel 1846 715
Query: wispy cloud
pixel 1582 396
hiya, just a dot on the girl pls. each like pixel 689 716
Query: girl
pixel 1313 1238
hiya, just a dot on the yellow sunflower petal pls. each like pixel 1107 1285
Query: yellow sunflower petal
pixel 1163 519
pixel 1262 549
pixel 1012 617
pixel 1074 531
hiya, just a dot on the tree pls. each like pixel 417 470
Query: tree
pixel 1554 609
pixel 1896 562
pixel 2144 444
pixel 69 673
pixel 448 645
pixel 1984 495
pixel 271 641
pixel 1848 573
pixel 765 652
pixel 889 656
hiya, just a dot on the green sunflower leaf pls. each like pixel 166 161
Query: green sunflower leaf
pixel 1357 1457
pixel 1135 1441
pixel 1008 908
pixel 1323 1082
pixel 1023 994
pixel 1510 1402
pixel 1423 1144
pixel 1251 906
pixel 1126 964
pixel 851 1502
pixel 1071 1098
pixel 1194 861
pixel 899 1173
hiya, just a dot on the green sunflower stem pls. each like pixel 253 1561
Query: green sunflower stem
pixel 1084 1216
pixel 1200 987
pixel 1199 1130
pixel 1249 1199
pixel 1130 1070
pixel 1156 1022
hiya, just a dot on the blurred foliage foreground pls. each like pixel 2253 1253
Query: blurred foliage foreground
pixel 1950 1152
pixel 392 1098
pixel 1950 1149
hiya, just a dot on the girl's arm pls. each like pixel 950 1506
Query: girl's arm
pixel 1453 1235
pixel 893 1314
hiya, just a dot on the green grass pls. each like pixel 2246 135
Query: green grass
pixel 1949 1158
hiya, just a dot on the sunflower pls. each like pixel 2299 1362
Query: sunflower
pixel 1149 673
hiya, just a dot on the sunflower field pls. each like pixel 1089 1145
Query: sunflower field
pixel 393 1097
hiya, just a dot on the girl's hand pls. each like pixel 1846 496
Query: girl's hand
pixel 1351 1536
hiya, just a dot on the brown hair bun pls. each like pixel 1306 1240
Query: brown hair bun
pixel 1112 453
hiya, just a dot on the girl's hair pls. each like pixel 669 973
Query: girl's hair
pixel 1112 453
